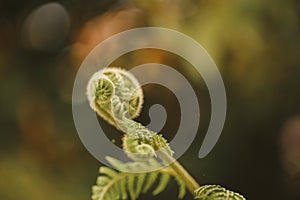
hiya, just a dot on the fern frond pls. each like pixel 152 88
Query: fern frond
pixel 216 192
pixel 117 97
pixel 113 184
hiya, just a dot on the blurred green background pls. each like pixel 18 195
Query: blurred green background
pixel 255 44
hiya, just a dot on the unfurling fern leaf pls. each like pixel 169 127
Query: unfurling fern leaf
pixel 216 192
pixel 112 184
pixel 116 96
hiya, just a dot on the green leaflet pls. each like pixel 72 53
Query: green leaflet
pixel 164 179
pixel 141 177
pixel 181 185
pixel 151 178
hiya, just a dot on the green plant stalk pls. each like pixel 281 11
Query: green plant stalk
pixel 180 171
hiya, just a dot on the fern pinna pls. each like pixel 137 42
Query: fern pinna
pixel 112 184
pixel 116 96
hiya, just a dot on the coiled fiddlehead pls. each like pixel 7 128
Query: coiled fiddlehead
pixel 117 97
pixel 216 192
pixel 114 87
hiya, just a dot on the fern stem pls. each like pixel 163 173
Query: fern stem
pixel 189 181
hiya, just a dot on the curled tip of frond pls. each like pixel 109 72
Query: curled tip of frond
pixel 213 192
pixel 107 82
pixel 136 150
pixel 94 87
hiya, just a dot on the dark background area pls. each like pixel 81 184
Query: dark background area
pixel 255 44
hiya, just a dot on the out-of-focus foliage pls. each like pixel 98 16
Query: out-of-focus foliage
pixel 254 43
